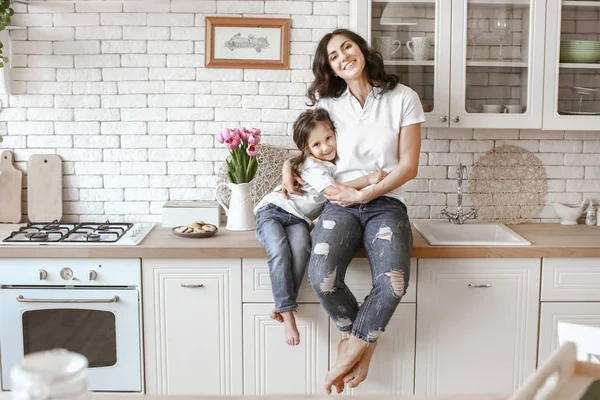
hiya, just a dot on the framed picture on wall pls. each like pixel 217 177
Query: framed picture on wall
pixel 238 42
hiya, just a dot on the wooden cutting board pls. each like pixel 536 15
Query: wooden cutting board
pixel 44 188
pixel 11 180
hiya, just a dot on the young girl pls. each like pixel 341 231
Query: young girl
pixel 282 224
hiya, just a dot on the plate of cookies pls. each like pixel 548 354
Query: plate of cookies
pixel 195 230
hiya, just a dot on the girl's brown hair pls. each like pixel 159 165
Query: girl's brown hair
pixel 326 84
pixel 304 125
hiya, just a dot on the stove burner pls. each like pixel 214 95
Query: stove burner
pixel 29 229
pixel 54 225
pixel 93 237
pixel 37 236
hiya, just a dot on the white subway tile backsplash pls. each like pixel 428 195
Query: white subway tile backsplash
pixel 126 181
pixel 101 33
pixel 120 92
pixel 189 113
pixel 77 128
pixel 77 101
pixel 96 142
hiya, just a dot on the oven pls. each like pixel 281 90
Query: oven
pixel 88 306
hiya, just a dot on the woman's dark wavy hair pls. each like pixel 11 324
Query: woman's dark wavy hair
pixel 304 125
pixel 326 84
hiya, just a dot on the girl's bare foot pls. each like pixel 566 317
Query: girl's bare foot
pixel 292 336
pixel 275 315
pixel 350 355
pixel 359 372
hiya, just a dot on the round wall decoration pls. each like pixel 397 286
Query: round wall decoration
pixel 508 185
pixel 270 160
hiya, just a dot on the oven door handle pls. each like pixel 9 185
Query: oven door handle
pixel 22 299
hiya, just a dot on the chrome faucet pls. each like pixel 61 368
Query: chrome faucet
pixel 459 217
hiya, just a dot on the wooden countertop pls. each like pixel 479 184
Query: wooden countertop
pixel 548 240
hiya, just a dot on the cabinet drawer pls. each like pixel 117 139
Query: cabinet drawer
pixel 571 279
pixel 257 284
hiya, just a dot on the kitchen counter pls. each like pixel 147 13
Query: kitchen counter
pixel 103 396
pixel 548 240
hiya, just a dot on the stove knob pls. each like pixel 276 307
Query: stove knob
pixel 92 275
pixel 42 274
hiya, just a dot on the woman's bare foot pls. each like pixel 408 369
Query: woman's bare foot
pixel 350 355
pixel 339 383
pixel 275 315
pixel 292 336
pixel 359 372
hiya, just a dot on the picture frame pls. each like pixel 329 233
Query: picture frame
pixel 239 42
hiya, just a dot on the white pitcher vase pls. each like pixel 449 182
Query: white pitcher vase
pixel 240 215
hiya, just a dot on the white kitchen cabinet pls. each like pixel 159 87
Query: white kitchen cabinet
pixel 477 325
pixel 272 367
pixel 571 89
pixel 257 284
pixel 391 372
pixel 553 313
pixel 459 79
pixel 570 293
pixel 193 326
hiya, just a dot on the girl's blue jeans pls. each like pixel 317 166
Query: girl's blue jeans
pixel 383 229
pixel 286 238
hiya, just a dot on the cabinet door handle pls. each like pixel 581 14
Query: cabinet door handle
pixel 443 118
pixel 188 285
pixel 484 285
pixel 456 119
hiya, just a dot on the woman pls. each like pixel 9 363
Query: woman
pixel 378 128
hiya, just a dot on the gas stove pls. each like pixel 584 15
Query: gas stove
pixel 84 233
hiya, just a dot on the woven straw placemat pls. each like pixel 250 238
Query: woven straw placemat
pixel 270 160
pixel 508 185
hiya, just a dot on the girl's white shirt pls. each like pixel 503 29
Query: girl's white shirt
pixel 318 175
pixel 367 137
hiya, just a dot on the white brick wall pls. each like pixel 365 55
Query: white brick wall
pixel 120 93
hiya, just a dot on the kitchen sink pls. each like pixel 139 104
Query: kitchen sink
pixel 472 233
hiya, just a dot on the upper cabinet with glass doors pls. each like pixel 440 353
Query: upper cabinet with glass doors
pixel 572 88
pixel 474 63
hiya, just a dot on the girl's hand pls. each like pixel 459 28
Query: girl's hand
pixel 344 196
pixel 376 177
pixel 290 183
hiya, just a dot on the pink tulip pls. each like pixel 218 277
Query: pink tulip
pixel 244 134
pixel 233 141
pixel 251 150
pixel 223 135
pixel 255 131
pixel 253 139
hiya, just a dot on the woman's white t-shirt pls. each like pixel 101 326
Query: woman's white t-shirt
pixel 318 176
pixel 367 137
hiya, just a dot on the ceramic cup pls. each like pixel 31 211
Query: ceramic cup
pixel 492 109
pixel 419 48
pixel 513 109
pixel 386 46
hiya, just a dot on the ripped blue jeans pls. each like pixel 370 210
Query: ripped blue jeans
pixel 286 238
pixel 383 229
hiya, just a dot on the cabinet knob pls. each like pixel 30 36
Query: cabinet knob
pixel 443 118
pixel 456 119
pixel 187 285
pixel 42 274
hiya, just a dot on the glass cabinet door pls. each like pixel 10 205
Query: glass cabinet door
pixel 406 33
pixel 573 69
pixel 497 63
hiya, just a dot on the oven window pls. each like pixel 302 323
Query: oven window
pixel 88 332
